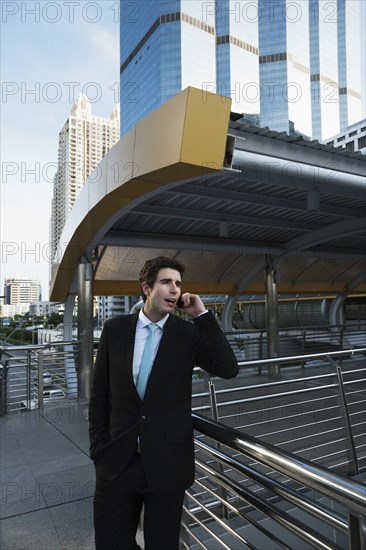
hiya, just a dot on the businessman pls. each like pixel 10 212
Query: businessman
pixel 141 435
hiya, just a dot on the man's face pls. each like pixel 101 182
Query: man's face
pixel 162 297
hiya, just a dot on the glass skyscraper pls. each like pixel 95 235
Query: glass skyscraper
pixel 291 62
pixel 323 28
pixel 167 45
pixel 284 63
pixel 349 62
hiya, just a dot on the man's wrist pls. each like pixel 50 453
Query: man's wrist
pixel 201 313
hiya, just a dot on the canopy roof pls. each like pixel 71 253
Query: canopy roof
pixel 219 196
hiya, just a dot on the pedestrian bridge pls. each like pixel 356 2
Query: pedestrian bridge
pixel 228 199
pixel 279 464
pixel 245 209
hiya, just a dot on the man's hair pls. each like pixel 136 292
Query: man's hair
pixel 151 268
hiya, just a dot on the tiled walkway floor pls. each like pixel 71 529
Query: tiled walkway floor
pixel 47 480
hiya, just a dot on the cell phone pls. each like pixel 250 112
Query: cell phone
pixel 180 302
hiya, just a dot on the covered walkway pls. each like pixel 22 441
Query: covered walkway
pixel 247 210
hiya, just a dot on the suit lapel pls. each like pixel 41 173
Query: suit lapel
pixel 128 337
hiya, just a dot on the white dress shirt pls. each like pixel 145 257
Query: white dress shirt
pixel 141 335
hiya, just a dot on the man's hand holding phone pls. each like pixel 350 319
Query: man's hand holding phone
pixel 191 304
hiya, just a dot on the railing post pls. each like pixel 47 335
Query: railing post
pixel 260 346
pixel 348 426
pixel 213 400
pixel 29 379
pixel 40 378
pixel 356 532
pixel 215 416
pixel 303 346
pixel 4 389
pixel 341 338
pixel 184 537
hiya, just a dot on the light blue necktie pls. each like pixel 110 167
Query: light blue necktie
pixel 146 361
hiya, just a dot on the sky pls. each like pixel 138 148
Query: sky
pixel 48 58
pixel 51 51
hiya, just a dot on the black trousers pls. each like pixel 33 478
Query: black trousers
pixel 117 509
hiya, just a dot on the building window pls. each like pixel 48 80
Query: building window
pixel 341 138
pixel 362 142
pixel 350 146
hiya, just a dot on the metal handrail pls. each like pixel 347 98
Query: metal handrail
pixel 37 346
pixel 305 532
pixel 35 357
pixel 302 358
pixel 351 495
pixel 345 445
pixel 338 487
pixel 291 330
pixel 289 522
pixel 277 488
pixel 300 327
pixel 249 346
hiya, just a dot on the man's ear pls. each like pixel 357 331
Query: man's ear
pixel 145 288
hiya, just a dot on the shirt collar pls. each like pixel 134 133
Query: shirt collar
pixel 143 321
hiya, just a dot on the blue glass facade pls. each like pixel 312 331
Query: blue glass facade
pixel 150 58
pixel 237 69
pixel 323 26
pixel 169 45
pixel 285 65
pixel 292 62
pixel 349 63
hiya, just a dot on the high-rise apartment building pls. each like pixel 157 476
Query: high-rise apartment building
pixel 21 291
pixel 295 63
pixel 83 141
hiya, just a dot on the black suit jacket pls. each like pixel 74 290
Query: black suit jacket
pixel 162 421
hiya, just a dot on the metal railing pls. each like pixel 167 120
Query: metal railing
pixel 319 416
pixel 319 507
pixel 252 344
pixel 33 375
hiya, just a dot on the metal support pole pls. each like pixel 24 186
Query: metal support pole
pixel 227 313
pixel 341 338
pixel 272 313
pixel 357 532
pixel 70 356
pixel 85 327
pixel 338 321
pixel 68 318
